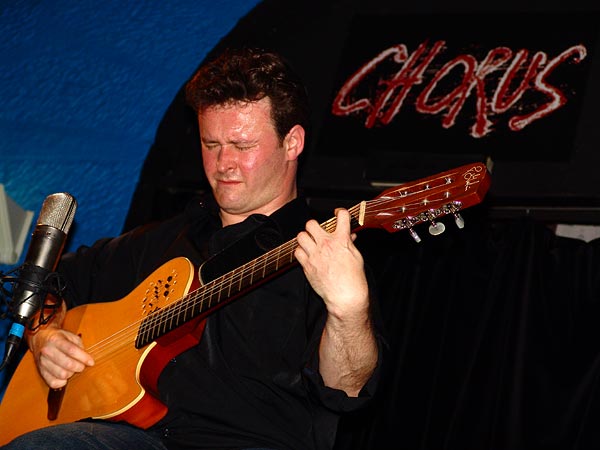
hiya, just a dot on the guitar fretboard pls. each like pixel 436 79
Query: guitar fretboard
pixel 398 208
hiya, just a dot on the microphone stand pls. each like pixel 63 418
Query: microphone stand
pixel 45 283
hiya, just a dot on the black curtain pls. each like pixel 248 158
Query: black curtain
pixel 493 340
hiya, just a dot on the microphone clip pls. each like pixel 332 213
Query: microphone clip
pixel 47 286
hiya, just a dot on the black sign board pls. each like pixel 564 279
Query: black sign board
pixel 508 86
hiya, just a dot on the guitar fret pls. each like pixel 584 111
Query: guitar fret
pixel 264 266
pixel 219 292
pixel 277 258
pixel 215 292
pixel 246 279
pixel 229 287
pixel 251 270
pixel 159 326
pixel 181 316
pixel 241 278
pixel 154 323
pixel 198 305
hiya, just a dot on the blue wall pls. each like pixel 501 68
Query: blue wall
pixel 83 87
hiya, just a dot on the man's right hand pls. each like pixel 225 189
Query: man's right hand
pixel 59 354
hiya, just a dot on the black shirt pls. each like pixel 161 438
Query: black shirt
pixel 253 378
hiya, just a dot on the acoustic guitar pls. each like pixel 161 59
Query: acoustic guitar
pixel 132 339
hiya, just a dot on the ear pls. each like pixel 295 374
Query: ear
pixel 293 143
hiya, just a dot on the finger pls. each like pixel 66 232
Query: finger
pixel 313 229
pixel 52 381
pixel 305 241
pixel 343 221
pixel 53 370
pixel 55 375
pixel 76 352
pixel 66 356
pixel 71 346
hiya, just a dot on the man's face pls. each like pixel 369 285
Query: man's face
pixel 249 170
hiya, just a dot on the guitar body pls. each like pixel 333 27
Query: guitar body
pixel 122 383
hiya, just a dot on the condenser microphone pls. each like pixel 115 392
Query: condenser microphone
pixel 31 286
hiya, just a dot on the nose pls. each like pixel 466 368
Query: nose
pixel 226 159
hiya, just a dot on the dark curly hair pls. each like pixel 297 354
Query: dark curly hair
pixel 248 75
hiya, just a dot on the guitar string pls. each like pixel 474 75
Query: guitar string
pixel 207 292
pixel 180 308
pixel 176 309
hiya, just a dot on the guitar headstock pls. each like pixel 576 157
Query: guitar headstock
pixel 425 200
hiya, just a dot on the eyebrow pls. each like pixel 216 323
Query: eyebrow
pixel 234 142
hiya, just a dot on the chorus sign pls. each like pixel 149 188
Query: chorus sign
pixel 511 75
pixel 511 87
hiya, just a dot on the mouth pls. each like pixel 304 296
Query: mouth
pixel 228 182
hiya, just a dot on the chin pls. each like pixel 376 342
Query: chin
pixel 231 206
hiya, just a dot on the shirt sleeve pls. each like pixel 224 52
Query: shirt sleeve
pixel 336 399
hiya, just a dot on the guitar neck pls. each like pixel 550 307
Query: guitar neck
pixel 395 209
pixel 227 287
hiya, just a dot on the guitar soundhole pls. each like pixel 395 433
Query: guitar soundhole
pixel 158 293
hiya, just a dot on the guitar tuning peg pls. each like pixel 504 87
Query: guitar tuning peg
pixel 414 235
pixel 436 228
pixel 460 222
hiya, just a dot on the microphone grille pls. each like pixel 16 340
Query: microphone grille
pixel 58 211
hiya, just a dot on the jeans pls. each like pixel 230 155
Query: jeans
pixel 92 435
pixel 87 435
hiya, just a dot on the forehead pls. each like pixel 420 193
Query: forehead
pixel 239 118
pixel 260 107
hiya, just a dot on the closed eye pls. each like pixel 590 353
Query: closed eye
pixel 244 147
